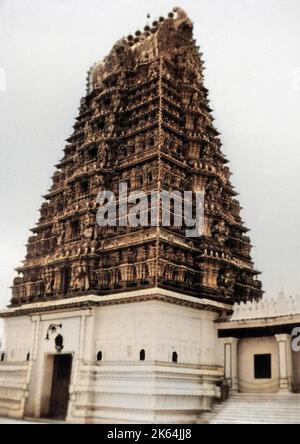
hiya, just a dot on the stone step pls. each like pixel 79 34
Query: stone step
pixel 279 409
pixel 258 419
pixel 281 400
pixel 247 414
pixel 262 409
pixel 269 401
pixel 261 404
pixel 256 413
pixel 253 422
pixel 265 396
pixel 265 408
pixel 253 408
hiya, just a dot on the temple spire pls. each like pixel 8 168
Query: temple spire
pixel 145 121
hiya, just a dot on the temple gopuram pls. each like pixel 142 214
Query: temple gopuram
pixel 133 324
pixel 145 121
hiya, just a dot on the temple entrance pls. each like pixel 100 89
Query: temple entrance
pixel 61 378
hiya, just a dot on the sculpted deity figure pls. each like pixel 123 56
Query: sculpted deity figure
pixel 79 279
pixel 59 232
pixel 17 282
pixel 88 233
pixel 110 124
pixel 220 232
pixel 169 253
pixel 49 282
pixel 141 267
pixel 151 263
pixel 213 190
pixel 114 270
pixel 39 287
pixel 74 277
pixel 199 125
pixel 226 282
pixel 127 256
pixel 68 195
pixel 180 256
pixel 88 227
pixel 154 70
pixel 189 259
pixel 57 281
pixel 207 154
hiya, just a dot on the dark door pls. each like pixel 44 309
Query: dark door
pixel 59 400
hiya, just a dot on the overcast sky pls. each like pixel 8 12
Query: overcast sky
pixel 252 54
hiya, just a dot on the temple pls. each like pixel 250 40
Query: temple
pixel 120 323
pixel 146 122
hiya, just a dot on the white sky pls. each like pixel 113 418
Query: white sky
pixel 252 54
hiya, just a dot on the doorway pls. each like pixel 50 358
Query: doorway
pixel 59 399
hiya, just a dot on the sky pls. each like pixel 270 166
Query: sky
pixel 252 56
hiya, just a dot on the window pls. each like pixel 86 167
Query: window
pixel 28 357
pixel 142 355
pixel 262 367
pixel 101 124
pixel 75 227
pixel 2 357
pixel 93 153
pixel 99 356
pixel 84 187
pixel 174 357
pixel 65 279
pixel 107 102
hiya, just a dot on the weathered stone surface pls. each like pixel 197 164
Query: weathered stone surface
pixel 145 121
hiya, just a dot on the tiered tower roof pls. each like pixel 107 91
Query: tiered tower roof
pixel 146 121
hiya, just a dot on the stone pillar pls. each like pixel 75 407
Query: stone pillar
pixel 77 363
pixel 285 362
pixel 231 363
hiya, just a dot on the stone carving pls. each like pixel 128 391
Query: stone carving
pixel 79 279
pixel 226 282
pixel 213 190
pixel 220 232
pixel 49 282
pixel 145 120
pixel 59 232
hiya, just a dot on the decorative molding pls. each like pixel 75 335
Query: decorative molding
pixel 86 302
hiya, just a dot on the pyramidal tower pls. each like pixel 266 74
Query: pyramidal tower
pixel 109 321
pixel 146 122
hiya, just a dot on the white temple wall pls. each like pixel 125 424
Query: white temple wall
pixel 122 331
pixel 121 387
pixel 14 366
pixel 124 389
pixel 247 348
